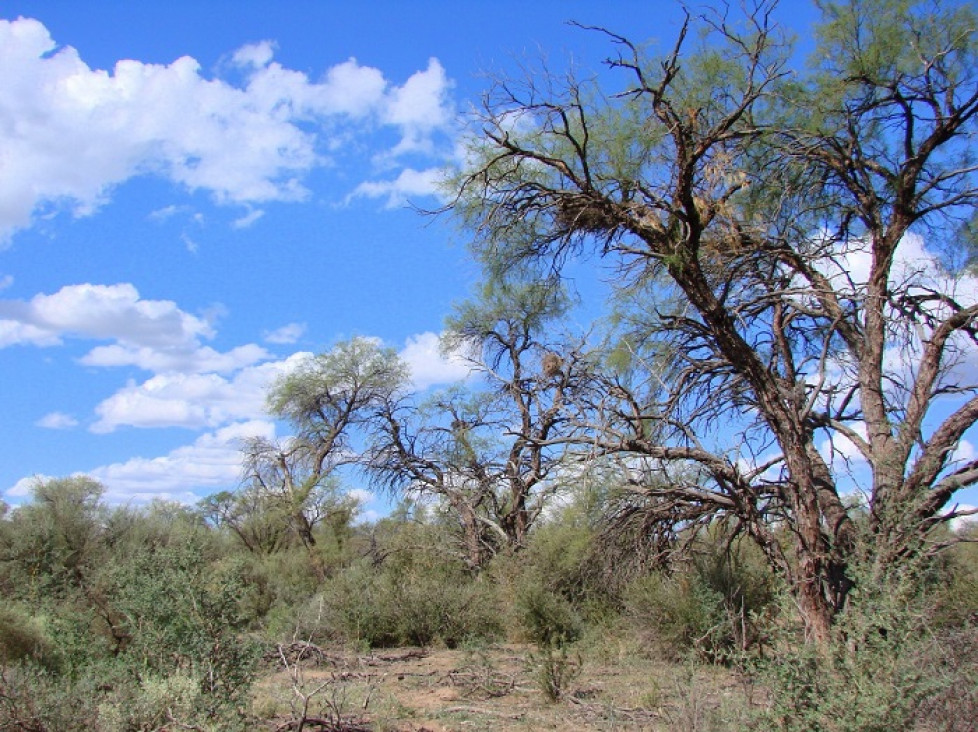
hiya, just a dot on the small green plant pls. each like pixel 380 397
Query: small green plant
pixel 885 666
pixel 553 668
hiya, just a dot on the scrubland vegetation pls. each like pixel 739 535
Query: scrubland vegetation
pixel 158 618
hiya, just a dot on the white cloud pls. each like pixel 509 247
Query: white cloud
pixel 428 365
pixel 257 55
pixel 212 462
pixel 24 487
pixel 408 183
pixel 352 89
pixel 247 220
pixel 192 401
pixel 57 421
pixel 154 335
pixel 189 359
pixel 162 214
pixel 71 133
pixel 205 398
pixel 286 334
pixel 99 311
pixel 13 332
pixel 6 281
pixel 419 107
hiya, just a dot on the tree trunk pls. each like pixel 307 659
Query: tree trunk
pixel 815 610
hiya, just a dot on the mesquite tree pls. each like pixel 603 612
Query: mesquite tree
pixel 491 450
pixel 776 234
pixel 326 399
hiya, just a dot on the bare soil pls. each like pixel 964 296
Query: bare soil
pixel 498 687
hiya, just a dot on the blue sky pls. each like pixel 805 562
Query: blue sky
pixel 193 194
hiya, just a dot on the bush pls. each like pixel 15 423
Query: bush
pixel 715 604
pixel 155 703
pixel 547 618
pixel 681 611
pixel 413 603
pixel 884 668
pixel 34 700
pixel 23 638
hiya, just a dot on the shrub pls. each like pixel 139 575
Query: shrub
pixel 34 700
pixel 413 604
pixel 714 604
pixel 22 638
pixel 885 667
pixel 681 611
pixel 547 618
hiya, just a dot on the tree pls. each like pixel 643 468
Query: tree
pixel 529 372
pixel 766 225
pixel 325 400
pixel 55 542
pixel 489 451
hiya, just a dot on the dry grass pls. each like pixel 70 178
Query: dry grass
pixel 498 688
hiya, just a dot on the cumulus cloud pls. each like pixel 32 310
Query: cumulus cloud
pixel 154 335
pixel 192 401
pixel 286 334
pixel 409 183
pixel 57 421
pixel 211 463
pixel 102 312
pixel 190 359
pixel 429 365
pixel 24 487
pixel 207 398
pixel 420 107
pixel 71 133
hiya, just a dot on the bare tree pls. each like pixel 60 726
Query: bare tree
pixel 766 228
pixel 489 450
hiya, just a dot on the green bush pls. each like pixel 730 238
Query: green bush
pixel 398 604
pixel 716 603
pixel 886 666
pixel 547 619
pixel 156 702
pixel 22 637
pixel 680 611
pixel 34 700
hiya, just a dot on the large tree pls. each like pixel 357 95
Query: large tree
pixel 768 226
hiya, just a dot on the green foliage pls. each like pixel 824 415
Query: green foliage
pixel 334 388
pixel 554 668
pixel 417 594
pixel 547 618
pixel 715 605
pixel 181 612
pixel 885 667
pixel 52 544
pixel 155 702
pixel 128 610
pixel 22 637
pixel 33 700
